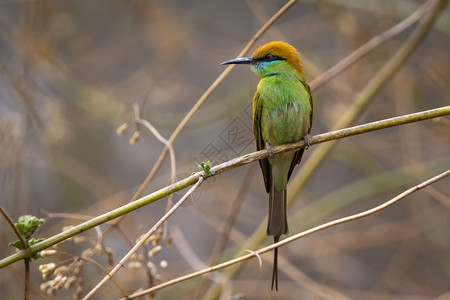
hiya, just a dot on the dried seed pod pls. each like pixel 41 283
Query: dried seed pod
pixel 48 252
pixel 134 265
pixel 70 281
pixel 155 250
pixel 122 128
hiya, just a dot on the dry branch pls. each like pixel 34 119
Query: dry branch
pixel 234 163
pixel 293 238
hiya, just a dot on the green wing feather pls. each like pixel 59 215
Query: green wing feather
pixel 260 143
pixel 299 153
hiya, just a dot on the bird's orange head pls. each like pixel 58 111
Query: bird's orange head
pixel 279 50
pixel 271 58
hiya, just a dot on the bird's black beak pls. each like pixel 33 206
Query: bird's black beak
pixel 241 60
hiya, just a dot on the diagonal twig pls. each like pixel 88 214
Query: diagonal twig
pixel 294 237
pixel 143 239
pixel 234 163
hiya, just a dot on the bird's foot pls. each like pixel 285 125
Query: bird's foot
pixel 307 139
pixel 270 150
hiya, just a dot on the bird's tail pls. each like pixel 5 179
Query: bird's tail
pixel 275 265
pixel 277 225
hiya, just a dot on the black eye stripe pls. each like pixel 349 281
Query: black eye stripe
pixel 270 57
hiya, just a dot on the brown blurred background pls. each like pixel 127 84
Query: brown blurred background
pixel 71 71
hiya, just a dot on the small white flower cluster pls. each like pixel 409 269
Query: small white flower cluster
pixel 66 275
pixel 139 262
pixel 63 277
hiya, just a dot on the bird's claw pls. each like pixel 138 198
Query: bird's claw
pixel 307 139
pixel 270 150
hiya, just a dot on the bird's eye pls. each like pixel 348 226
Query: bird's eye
pixel 268 57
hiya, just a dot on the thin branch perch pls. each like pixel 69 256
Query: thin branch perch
pixel 234 163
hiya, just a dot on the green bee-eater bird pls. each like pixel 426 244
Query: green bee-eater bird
pixel 282 113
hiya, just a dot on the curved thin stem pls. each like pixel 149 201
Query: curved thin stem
pixel 294 237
